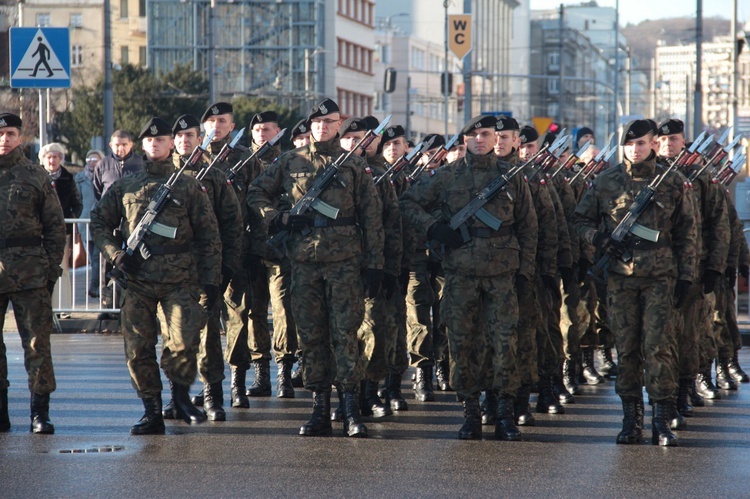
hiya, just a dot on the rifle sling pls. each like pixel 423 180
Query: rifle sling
pixel 322 222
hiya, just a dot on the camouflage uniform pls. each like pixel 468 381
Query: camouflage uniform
pixel 32 239
pixel 172 277
pixel 480 306
pixel 327 291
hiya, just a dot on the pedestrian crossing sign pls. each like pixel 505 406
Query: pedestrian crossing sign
pixel 40 57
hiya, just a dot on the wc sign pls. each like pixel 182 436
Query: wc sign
pixel 459 34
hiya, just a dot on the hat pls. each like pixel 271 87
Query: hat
pixel 635 130
pixel 459 141
pixel 506 123
pixel 654 126
pixel 549 138
pixel 671 127
pixel 301 127
pixel 10 119
pixel 324 108
pixel 155 127
pixel 352 125
pixel 264 117
pixel 528 134
pixel 480 121
pixel 372 122
pixel 185 122
pixel 583 131
pixel 216 109
pixel 393 132
pixel 437 140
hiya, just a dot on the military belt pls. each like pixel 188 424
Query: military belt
pixel 17 242
pixel 320 222
pixel 172 249
pixel 644 244
pixel 486 233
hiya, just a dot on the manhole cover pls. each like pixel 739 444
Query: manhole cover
pixel 94 450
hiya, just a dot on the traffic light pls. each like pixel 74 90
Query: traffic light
pixel 446 83
pixel 389 83
pixel 553 128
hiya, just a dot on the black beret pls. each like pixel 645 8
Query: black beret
pixel 583 131
pixel 481 121
pixel 410 144
pixel 352 125
pixel 216 109
pixel 264 117
pixel 654 126
pixel 437 140
pixel 506 123
pixel 459 141
pixel 185 122
pixel 324 108
pixel 301 127
pixel 528 134
pixel 393 132
pixel 636 129
pixel 9 119
pixel 155 127
pixel 372 122
pixel 671 127
pixel 549 138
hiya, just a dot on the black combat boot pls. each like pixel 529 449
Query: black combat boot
pixel 589 375
pixel 284 386
pixel 214 402
pixel 40 422
pixel 488 407
pixel 607 365
pixel 546 402
pixel 683 397
pixel 4 418
pixel 239 398
pixel 704 386
pixel 320 422
pixel 261 386
pixel 353 426
pixel 297 377
pixel 521 409
pixel 472 427
pixel 736 371
pixel 197 400
pixel 393 395
pixel 632 421
pixel 373 407
pixel 185 408
pixel 660 432
pixel 152 422
pixel 338 414
pixel 423 390
pixel 169 411
pixel 505 427
pixel 724 380
pixel 570 376
pixel 559 390
pixel 442 373
pixel 676 420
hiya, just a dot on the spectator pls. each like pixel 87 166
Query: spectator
pixel 85 183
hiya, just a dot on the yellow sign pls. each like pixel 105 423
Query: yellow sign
pixel 541 123
pixel 459 34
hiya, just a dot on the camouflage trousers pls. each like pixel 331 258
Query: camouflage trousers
pixel 328 305
pixel 210 354
pixel 419 302
pixel 691 321
pixel 376 336
pixel 548 336
pixel 481 315
pixel 237 303
pixel 730 317
pixel 708 342
pixel 184 318
pixel 589 336
pixel 439 336
pixel 395 342
pixel 724 341
pixel 641 315
pixel 574 321
pixel 529 320
pixel 605 336
pixel 33 312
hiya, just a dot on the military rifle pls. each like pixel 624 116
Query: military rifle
pixel 401 163
pixel 589 165
pixel 730 170
pixel 436 158
pixel 232 172
pixel 568 163
pixel 222 156
pixel 544 162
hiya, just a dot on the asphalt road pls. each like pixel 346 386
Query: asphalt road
pixel 257 452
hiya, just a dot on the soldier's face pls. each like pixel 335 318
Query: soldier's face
pixel 221 124
pixel 480 141
pixel 52 161
pixel 639 150
pixel 671 145
pixel 349 140
pixel 456 153
pixel 584 139
pixel 425 157
pixel 504 142
pixel 10 138
pixel 121 147
pixel 326 127
pixel 263 132
pixel 186 141
pixel 527 150
pixel 372 149
pixel 301 140
pixel 394 149
pixel 157 148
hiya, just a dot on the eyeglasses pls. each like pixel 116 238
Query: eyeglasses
pixel 327 122
pixel 92 159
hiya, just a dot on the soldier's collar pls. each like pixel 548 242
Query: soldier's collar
pixel 328 147
pixel 12 157
pixel 643 169
pixel 215 147
pixel 483 161
pixel 161 167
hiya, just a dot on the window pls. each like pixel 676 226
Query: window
pixel 123 9
pixel 142 56
pixel 417 58
pixel 353 56
pixel 357 10
pixel 76 56
pixel 76 20
pixel 553 86
pixel 124 56
pixel 141 8
pixel 354 103
pixel 42 19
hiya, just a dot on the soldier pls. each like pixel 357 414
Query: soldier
pixel 456 152
pixel 301 134
pixel 642 293
pixel 32 240
pixel 483 275
pixel 224 202
pixel 179 270
pixel 583 135
pixel 326 253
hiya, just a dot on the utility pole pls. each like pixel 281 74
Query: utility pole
pixel 698 96
pixel 561 84
pixel 616 124
pixel 109 103
pixel 733 82
pixel 445 70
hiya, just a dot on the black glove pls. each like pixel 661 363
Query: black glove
pixel 403 281
pixel 253 263
pixel 443 233
pixel 551 284
pixel 212 294
pixel 51 286
pixel 373 279
pixel 285 221
pixel 583 269
pixel 731 274
pixel 226 277
pixel 709 280
pixel 566 273
pixel 681 292
pixel 434 267
pixel 744 271
pixel 390 283
pixel 130 264
pixel 523 286
pixel 602 240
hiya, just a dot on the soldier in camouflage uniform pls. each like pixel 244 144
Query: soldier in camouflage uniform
pixel 642 292
pixel 179 270
pixel 32 240
pixel 301 133
pixel 326 254
pixel 482 276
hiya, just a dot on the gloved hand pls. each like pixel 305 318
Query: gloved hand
pixel 285 221
pixel 731 274
pixel 523 286
pixel 226 277
pixel 583 269
pixel 129 264
pixel 373 279
pixel 680 292
pixel 212 294
pixel 709 280
pixel 443 233
pixel 551 284
pixel 744 271
pixel 434 267
pixel 51 286
pixel 403 281
pixel 253 264
pixel 602 240
pixel 566 273
pixel 390 283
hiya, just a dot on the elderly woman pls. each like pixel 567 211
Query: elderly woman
pixel 52 157
pixel 85 183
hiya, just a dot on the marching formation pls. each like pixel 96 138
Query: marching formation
pixel 496 263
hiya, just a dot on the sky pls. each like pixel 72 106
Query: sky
pixel 635 11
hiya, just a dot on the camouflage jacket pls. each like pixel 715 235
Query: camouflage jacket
pixel 738 251
pixel 243 177
pixel 257 236
pixel 452 188
pixel 671 214
pixel 715 229
pixel 354 194
pixel 227 211
pixel 393 248
pixel 568 251
pixel 124 204
pixel 30 209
